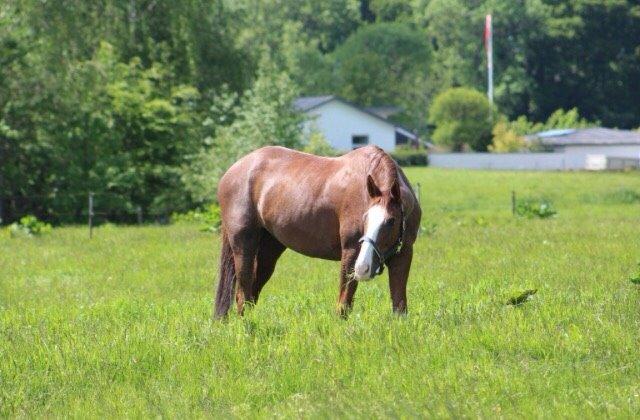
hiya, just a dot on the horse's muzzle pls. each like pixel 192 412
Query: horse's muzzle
pixel 362 272
pixel 366 272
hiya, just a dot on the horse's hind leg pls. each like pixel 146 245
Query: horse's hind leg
pixel 269 250
pixel 245 247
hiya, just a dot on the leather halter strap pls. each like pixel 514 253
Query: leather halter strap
pixel 383 257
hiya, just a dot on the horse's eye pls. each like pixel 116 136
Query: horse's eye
pixel 390 222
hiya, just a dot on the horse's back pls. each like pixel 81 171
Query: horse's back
pixel 289 193
pixel 274 162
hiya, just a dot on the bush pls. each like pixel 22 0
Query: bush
pixel 29 226
pixel 410 157
pixel 318 145
pixel 209 218
pixel 505 139
pixel 462 117
pixel 533 207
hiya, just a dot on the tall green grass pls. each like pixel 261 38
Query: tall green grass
pixel 119 325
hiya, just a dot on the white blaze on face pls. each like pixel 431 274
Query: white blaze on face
pixel 364 262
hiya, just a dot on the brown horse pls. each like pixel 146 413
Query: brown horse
pixel 358 208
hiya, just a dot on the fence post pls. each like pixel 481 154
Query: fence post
pixel 139 214
pixel 419 197
pixel 513 202
pixel 90 215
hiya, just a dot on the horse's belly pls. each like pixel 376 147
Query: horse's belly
pixel 312 233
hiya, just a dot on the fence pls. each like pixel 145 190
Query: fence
pixel 80 207
pixel 508 161
pixel 622 163
pixel 93 211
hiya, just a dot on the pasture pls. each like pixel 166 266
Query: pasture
pixel 119 325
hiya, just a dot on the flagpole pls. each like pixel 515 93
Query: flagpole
pixel 488 33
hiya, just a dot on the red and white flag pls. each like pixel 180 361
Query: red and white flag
pixel 488 33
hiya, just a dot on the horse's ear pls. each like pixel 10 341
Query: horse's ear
pixel 373 189
pixel 395 190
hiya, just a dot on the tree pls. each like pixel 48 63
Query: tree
pixel 462 116
pixel 384 64
pixel 263 116
pixel 567 119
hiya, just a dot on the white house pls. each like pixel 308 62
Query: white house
pixel 347 126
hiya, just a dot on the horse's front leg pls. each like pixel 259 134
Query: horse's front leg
pixel 399 267
pixel 348 283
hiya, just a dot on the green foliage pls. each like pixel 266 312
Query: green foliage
pixel 123 98
pixel 263 116
pixel 209 218
pixel 535 207
pixel 462 117
pixel 385 63
pixel 406 156
pixel 505 139
pixel 508 135
pixel 317 144
pixel 567 119
pixel 29 226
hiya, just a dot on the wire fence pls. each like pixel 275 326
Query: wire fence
pixel 89 207
pixel 92 208
pixel 97 208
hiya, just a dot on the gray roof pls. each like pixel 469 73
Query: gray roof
pixel 385 111
pixel 307 103
pixel 597 136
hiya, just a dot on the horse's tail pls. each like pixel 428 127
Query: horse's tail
pixel 226 282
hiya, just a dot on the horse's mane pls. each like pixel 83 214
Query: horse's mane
pixel 382 168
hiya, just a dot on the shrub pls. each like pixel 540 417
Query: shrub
pixel 209 218
pixel 462 116
pixel 533 207
pixel 318 145
pixel 410 157
pixel 29 226
pixel 505 139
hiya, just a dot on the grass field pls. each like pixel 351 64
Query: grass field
pixel 120 325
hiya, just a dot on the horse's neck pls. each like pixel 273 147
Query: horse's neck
pixel 384 171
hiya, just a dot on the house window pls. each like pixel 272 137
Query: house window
pixel 359 141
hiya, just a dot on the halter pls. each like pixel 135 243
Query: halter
pixel 395 248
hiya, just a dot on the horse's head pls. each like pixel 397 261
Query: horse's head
pixel 383 230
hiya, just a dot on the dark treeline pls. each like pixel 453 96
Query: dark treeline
pixel 146 101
